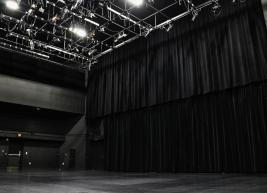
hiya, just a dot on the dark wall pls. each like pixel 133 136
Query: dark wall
pixel 47 137
pixel 3 150
pixel 41 155
pixel 146 96
pixel 95 146
pixel 21 118
pixel 43 101
pixel 26 80
pixel 27 67
pixel 32 93
pixel 75 141
pixel 36 154
pixel 43 134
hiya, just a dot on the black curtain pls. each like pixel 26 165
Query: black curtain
pixel 213 53
pixel 221 132
pixel 154 96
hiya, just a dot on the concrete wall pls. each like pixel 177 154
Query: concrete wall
pixel 36 94
pixel 76 140
pixel 44 102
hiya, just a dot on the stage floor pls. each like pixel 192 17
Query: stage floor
pixel 100 182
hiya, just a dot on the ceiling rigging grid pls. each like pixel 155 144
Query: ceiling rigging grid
pixel 78 32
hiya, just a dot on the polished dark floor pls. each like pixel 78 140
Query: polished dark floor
pixel 98 182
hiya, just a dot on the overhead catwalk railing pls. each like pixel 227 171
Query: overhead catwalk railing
pixel 80 31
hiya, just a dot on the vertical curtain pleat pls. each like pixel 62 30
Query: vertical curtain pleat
pixel 222 132
pixel 191 100
pixel 194 58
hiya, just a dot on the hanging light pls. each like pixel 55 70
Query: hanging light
pixel 150 1
pixel 136 2
pixel 31 45
pixel 78 31
pixel 56 40
pixel 12 4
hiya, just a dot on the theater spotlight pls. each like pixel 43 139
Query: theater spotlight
pixel 136 2
pixel 56 40
pixel 78 31
pixel 31 45
pixel 12 4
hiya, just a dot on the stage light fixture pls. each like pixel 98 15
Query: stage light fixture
pixel 136 2
pixel 31 45
pixel 78 31
pixel 169 27
pixel 12 4
pixel 19 135
pixel 146 33
pixel 56 40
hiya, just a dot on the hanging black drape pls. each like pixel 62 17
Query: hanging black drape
pixel 191 100
pixel 193 58
pixel 222 132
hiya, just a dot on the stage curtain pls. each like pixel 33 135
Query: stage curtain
pixel 191 100
pixel 219 132
pixel 210 54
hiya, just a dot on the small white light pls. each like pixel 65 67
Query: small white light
pixel 136 2
pixel 12 4
pixel 78 31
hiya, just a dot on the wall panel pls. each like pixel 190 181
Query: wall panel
pixel 36 94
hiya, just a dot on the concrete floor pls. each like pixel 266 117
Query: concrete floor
pixel 97 182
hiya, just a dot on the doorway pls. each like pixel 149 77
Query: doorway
pixel 15 154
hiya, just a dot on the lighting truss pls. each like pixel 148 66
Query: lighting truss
pixel 45 29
